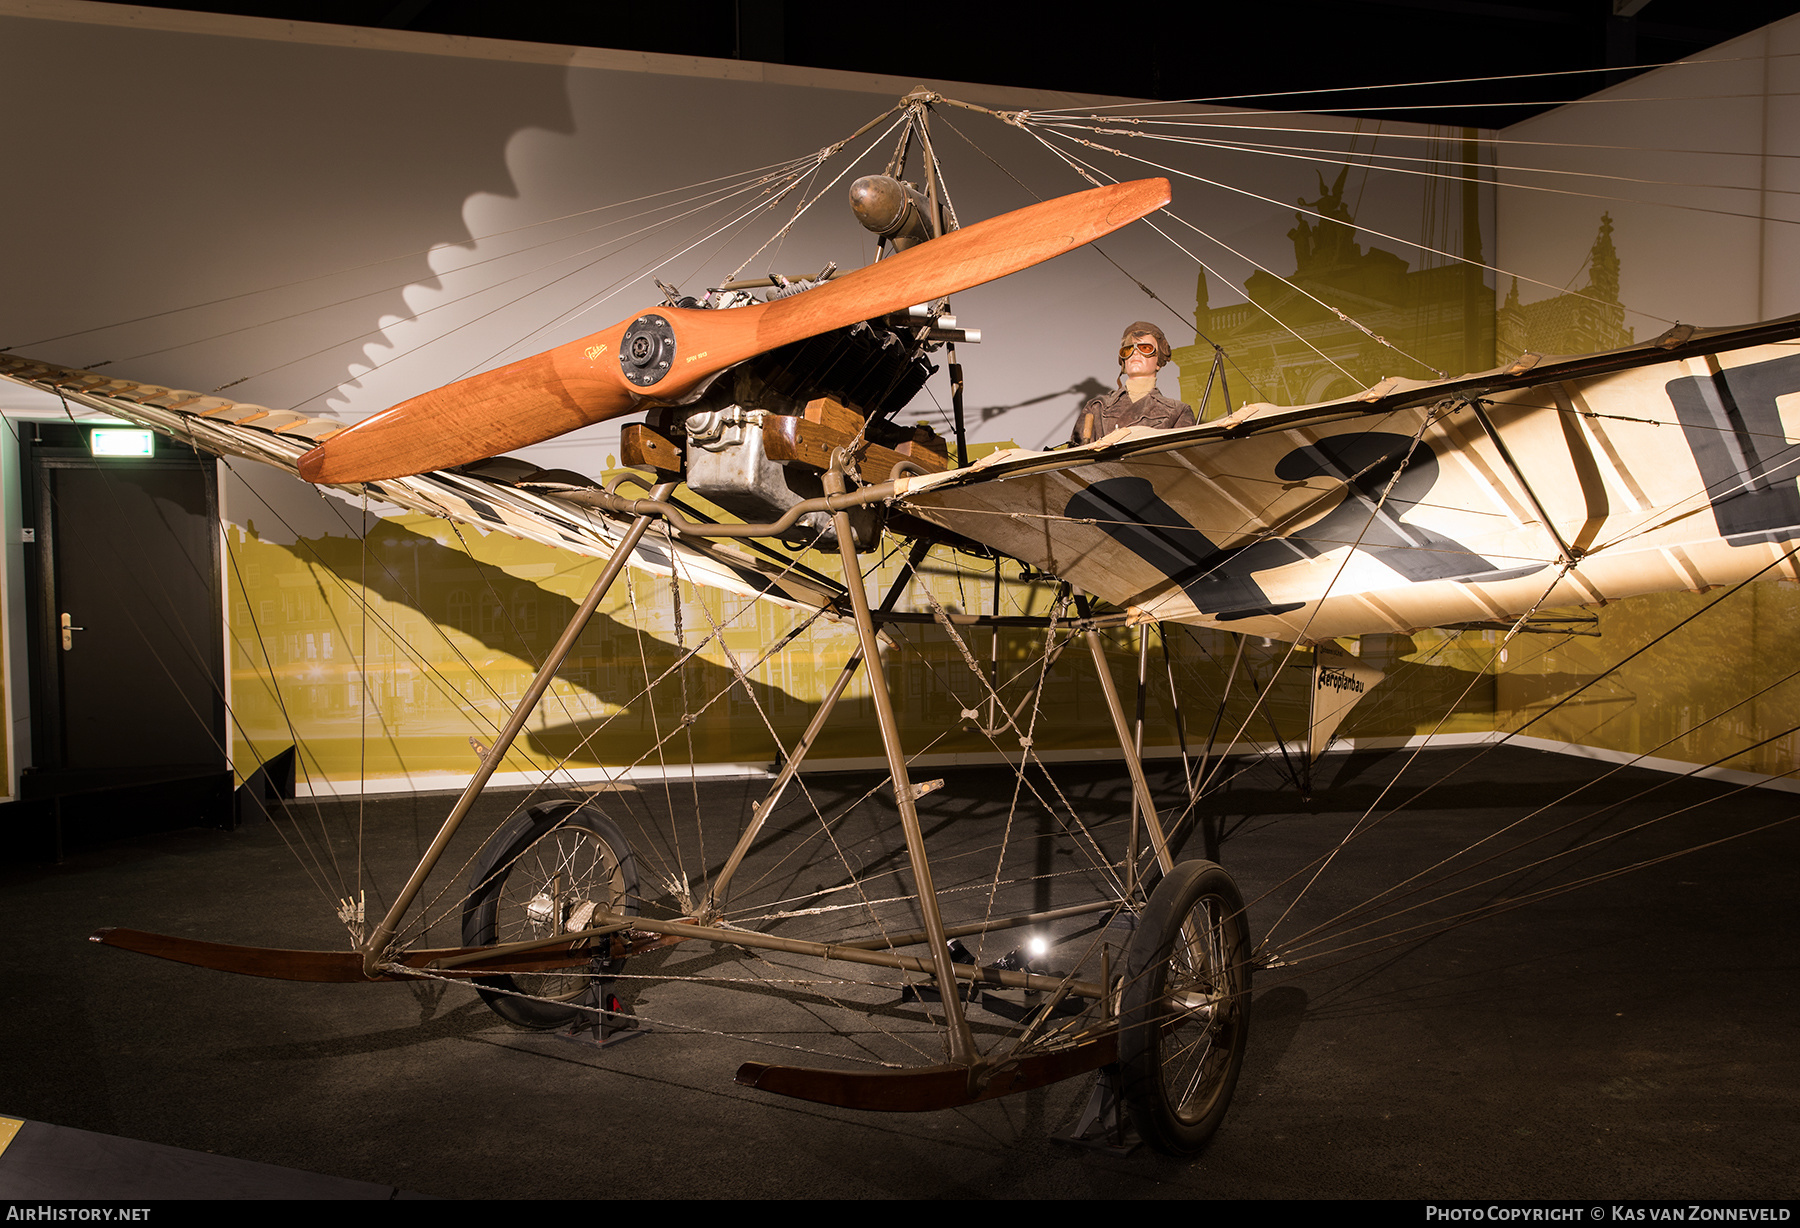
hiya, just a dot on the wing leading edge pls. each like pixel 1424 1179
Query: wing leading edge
pixel 504 495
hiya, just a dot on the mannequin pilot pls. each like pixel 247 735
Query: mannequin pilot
pixel 1136 402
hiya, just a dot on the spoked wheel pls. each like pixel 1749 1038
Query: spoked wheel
pixel 1185 1008
pixel 547 872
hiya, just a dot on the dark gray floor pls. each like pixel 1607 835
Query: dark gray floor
pixel 1635 1038
pixel 57 1162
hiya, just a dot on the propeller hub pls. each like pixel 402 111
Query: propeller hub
pixel 648 350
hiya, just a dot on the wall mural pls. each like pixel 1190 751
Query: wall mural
pixel 1715 689
pixel 455 620
pixel 378 284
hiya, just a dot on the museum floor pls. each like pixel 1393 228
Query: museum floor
pixel 1635 1038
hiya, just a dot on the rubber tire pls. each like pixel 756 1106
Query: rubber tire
pixel 517 864
pixel 1175 1102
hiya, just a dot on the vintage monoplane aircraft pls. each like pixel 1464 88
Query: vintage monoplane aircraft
pixel 1483 498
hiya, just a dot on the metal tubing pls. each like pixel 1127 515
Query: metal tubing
pixel 928 156
pixel 1051 655
pixel 1140 786
pixel 962 1043
pixel 1212 735
pixel 958 619
pixel 715 895
pixel 376 947
pixel 956 409
pixel 1212 373
pixel 654 506
pixel 994 653
pixel 1143 684
pixel 896 941
pixel 845 954
pixel 611 923
pixel 1137 741
pixel 1162 638
pixel 1570 554
pixel 1268 714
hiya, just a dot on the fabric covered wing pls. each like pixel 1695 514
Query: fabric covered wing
pixel 1471 500
pixel 505 496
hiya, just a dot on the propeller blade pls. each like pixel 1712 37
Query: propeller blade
pixel 662 353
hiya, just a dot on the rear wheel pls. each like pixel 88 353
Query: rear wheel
pixel 1185 1007
pixel 548 872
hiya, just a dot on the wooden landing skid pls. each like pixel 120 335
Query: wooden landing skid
pixel 928 1089
pixel 891 1091
pixel 337 967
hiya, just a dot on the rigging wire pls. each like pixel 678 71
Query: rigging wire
pixel 1096 177
pixel 738 673
pixel 1489 136
pixel 1377 161
pixel 1497 180
pixel 803 208
pixel 1365 821
pixel 564 317
pixel 1435 927
pixel 454 271
pixel 1460 259
pixel 408 255
pixel 1540 104
pixel 1403 85
pixel 1186 320
pixel 1413 886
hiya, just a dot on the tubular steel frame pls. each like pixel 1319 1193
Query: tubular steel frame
pixel 705 925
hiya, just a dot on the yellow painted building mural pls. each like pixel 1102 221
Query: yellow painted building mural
pixel 387 657
pixel 1288 342
pixel 1701 678
pixel 1709 687
pixel 407 691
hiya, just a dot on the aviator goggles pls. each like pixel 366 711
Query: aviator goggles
pixel 1138 347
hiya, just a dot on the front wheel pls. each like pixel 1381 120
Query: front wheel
pixel 1185 1007
pixel 548 872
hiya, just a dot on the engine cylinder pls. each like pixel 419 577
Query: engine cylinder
pixel 895 210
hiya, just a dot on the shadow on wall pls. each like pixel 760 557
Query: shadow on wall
pixel 303 185
pixel 448 636
pixel 1058 432
pixel 449 642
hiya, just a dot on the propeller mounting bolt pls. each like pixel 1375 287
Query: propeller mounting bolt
pixel 648 350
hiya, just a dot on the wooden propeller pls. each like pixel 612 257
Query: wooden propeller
pixel 663 353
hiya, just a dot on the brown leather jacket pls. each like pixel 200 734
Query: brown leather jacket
pixel 1105 414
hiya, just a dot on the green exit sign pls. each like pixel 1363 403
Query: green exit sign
pixel 121 441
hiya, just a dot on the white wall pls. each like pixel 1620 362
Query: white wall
pixel 333 220
pixel 186 158
pixel 1707 160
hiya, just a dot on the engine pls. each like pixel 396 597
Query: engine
pixel 759 438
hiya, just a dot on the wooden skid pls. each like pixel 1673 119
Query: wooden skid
pixel 928 1089
pixel 336 967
